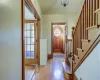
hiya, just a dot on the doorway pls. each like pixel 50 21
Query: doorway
pixel 30 41
pixel 58 35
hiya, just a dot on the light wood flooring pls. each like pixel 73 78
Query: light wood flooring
pixel 52 71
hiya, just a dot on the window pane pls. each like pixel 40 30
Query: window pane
pixel 32 54
pixel 28 33
pixel 25 47
pixel 25 26
pixel 28 48
pixel 25 55
pixel 57 32
pixel 24 40
pixel 32 33
pixel 32 25
pixel 28 54
pixel 25 35
pixel 32 47
pixel 28 41
pixel 28 26
pixel 32 40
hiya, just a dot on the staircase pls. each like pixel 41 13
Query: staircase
pixel 86 35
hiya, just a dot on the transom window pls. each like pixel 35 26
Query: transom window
pixel 29 40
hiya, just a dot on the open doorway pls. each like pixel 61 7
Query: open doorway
pixel 30 41
pixel 58 36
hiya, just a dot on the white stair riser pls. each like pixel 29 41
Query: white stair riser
pixel 93 33
pixel 85 45
pixel 98 17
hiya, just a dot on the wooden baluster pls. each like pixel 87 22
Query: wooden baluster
pixel 96 14
pixel 75 43
pixel 75 40
pixel 85 8
pixel 97 4
pixel 73 31
pixel 78 35
pixel 81 28
pixel 89 14
pixel 82 24
pixel 73 35
pixel 86 19
pixel 92 12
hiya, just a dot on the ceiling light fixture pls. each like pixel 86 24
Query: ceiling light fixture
pixel 64 2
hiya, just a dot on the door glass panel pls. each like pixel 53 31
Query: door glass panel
pixel 32 40
pixel 32 33
pixel 32 47
pixel 27 54
pixel 25 48
pixel 32 24
pixel 29 40
pixel 32 55
pixel 28 26
pixel 25 33
pixel 28 33
pixel 28 48
pixel 25 28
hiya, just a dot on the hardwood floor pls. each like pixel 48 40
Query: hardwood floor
pixel 52 71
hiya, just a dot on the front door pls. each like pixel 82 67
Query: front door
pixel 30 42
pixel 57 39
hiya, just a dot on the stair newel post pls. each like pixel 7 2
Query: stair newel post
pixel 72 55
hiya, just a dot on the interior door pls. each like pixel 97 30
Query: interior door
pixel 30 42
pixel 57 40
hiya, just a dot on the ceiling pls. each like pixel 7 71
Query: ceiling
pixel 55 7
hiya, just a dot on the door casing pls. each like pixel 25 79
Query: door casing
pixel 31 7
pixel 66 32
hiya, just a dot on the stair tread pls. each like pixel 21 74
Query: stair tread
pixel 85 40
pixel 92 27
pixel 79 49
pixel 66 68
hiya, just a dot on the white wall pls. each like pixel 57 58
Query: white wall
pixel 90 69
pixel 46 25
pixel 10 40
pixel 43 51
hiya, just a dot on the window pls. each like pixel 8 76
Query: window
pixel 57 32
pixel 29 40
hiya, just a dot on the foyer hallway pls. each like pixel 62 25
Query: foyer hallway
pixel 53 70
